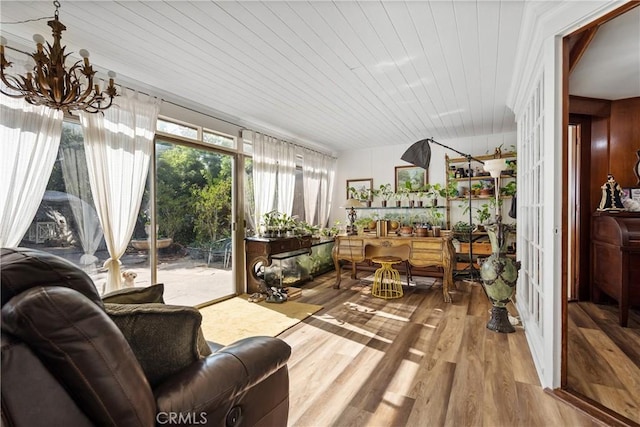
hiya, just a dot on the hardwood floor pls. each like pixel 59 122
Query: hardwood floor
pixel 604 358
pixel 413 361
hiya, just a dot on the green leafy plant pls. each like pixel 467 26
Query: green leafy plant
pixel 509 189
pixel 386 192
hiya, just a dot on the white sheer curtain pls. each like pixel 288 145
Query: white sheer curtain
pixel 29 140
pixel 76 182
pixel 286 176
pixel 326 188
pixel 118 147
pixel 265 169
pixel 312 164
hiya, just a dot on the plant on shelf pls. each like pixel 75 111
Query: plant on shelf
pixel 476 187
pixel 482 214
pixel 303 228
pixel 409 193
pixel 461 230
pixel 386 192
pixel 509 189
pixel 435 217
pixel 433 191
pixel 365 195
pixel 362 223
pixel 270 222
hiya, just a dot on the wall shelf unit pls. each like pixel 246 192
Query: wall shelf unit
pixel 457 170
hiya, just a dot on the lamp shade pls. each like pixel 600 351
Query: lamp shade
pixel 419 154
pixel 495 167
pixel 353 203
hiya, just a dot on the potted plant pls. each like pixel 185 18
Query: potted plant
pixel 361 224
pixel 509 189
pixel 386 193
pixel 488 187
pixel 476 187
pixel 433 191
pixel 270 222
pixel 482 215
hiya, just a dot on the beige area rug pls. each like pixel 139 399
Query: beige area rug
pixel 237 318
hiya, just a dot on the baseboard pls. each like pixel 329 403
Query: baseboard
pixel 592 408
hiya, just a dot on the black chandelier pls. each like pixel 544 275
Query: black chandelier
pixel 50 83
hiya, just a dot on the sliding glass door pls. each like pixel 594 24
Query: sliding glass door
pixel 193 222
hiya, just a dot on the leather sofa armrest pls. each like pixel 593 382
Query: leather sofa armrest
pixel 211 383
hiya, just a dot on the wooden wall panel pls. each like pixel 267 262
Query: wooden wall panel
pixel 599 159
pixel 624 140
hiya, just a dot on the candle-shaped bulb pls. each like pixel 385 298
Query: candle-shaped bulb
pixel 84 53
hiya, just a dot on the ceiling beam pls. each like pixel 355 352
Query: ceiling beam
pixel 580 46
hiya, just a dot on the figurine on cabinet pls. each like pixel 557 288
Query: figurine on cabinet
pixel 611 195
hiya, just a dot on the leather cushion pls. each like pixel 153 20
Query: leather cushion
pixel 164 338
pixel 86 351
pixel 137 295
pixel 20 392
pixel 24 268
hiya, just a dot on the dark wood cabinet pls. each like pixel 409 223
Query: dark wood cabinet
pixel 615 259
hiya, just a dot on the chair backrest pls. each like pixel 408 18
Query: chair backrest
pixel 24 268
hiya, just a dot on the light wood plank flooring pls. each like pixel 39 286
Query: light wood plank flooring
pixel 604 358
pixel 414 361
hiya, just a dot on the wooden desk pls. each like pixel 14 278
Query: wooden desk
pixel 424 252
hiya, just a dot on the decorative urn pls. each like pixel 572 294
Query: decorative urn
pixel 499 275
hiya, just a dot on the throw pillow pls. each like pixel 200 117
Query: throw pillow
pixel 139 295
pixel 164 338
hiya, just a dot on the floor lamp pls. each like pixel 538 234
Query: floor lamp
pixel 419 154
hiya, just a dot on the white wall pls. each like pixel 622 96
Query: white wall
pixel 379 163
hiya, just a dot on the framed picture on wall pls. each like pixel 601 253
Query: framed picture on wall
pixel 415 176
pixel 360 188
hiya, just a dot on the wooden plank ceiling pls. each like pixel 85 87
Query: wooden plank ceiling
pixel 332 74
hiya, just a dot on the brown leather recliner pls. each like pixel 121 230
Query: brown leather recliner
pixel 65 362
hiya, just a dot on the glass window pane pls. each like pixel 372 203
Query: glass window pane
pixel 220 140
pixel 193 207
pixel 177 129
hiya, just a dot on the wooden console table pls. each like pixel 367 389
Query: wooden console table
pixel 424 252
pixel 259 252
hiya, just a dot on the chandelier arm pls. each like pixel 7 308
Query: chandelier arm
pixel 12 83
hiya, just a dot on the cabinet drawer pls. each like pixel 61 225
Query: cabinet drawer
pixel 426 245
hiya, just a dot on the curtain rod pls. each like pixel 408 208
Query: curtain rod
pixel 292 143
pixel 224 120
